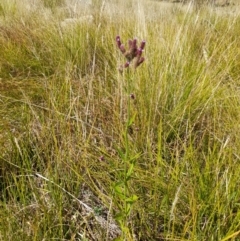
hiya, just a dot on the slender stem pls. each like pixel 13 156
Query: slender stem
pixel 126 149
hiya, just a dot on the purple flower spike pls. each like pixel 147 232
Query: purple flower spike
pixel 139 52
pixel 142 45
pixel 130 43
pixel 118 41
pixel 122 48
pixel 132 54
pixel 132 96
pixel 134 43
pixel 133 49
pixel 101 158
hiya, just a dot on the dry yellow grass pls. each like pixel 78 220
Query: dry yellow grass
pixel 88 153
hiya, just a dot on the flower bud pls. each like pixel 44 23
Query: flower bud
pixel 122 48
pixel 118 41
pixel 126 64
pixel 142 45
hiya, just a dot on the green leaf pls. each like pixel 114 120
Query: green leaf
pixel 128 209
pixel 118 188
pixel 121 154
pixel 119 216
pixel 130 171
pixel 131 199
pixel 133 159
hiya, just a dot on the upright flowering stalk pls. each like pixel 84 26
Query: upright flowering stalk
pixel 133 54
pixel 122 188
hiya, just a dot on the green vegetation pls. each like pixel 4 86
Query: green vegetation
pixel 88 152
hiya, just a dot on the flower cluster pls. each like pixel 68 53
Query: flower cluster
pixel 133 53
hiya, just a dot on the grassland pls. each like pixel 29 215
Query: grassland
pixel 88 153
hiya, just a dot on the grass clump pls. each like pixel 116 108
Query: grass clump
pixel 149 152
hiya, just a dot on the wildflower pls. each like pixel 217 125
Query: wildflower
pixel 133 54
pixel 118 41
pixel 132 96
pixel 101 158
pixel 142 45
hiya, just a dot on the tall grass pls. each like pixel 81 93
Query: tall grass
pixel 88 153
